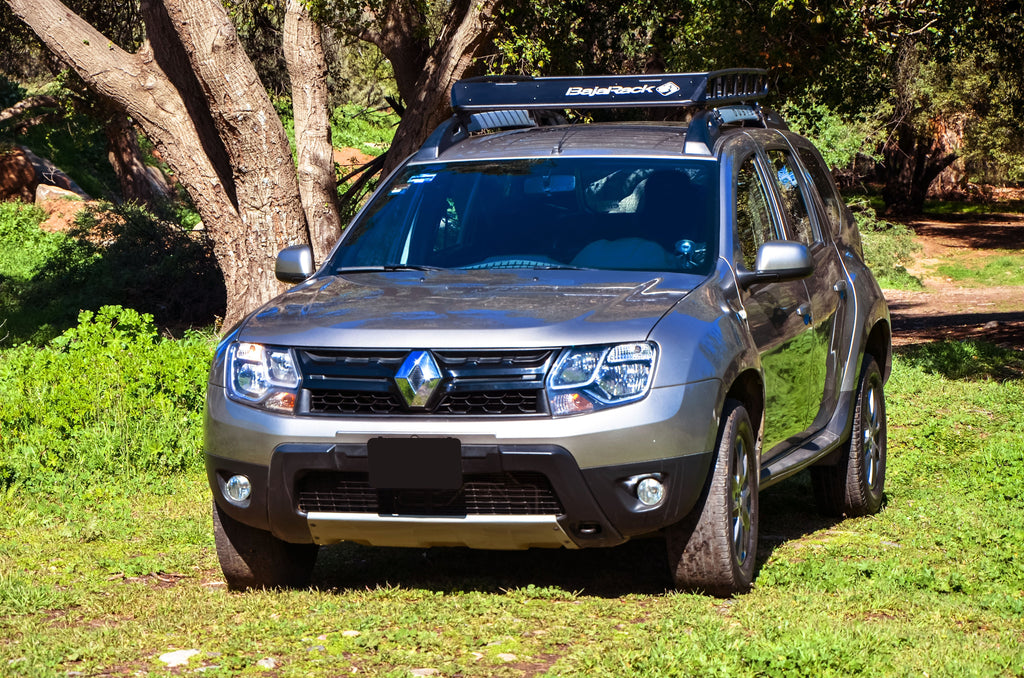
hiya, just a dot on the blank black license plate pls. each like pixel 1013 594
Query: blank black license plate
pixel 415 463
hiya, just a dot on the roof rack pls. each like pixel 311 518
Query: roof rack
pixel 489 93
pixel 508 102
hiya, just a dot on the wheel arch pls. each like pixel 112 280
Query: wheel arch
pixel 748 388
pixel 879 347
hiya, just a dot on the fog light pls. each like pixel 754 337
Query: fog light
pixel 650 491
pixel 238 488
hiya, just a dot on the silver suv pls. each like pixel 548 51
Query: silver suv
pixel 538 334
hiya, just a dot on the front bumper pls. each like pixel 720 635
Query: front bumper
pixel 513 497
pixel 526 482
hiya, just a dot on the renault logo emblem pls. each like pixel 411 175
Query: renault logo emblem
pixel 418 378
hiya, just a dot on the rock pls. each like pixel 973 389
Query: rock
pixel 18 178
pixel 178 657
pixel 46 192
pixel 507 657
pixel 350 634
pixel 49 173
pixel 424 672
pixel 267 663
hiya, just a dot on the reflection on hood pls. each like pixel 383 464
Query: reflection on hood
pixel 526 307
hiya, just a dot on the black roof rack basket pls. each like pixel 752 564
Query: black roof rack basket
pixel 714 88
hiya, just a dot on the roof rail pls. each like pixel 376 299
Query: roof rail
pixel 491 93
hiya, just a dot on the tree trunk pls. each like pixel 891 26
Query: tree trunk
pixel 425 74
pixel 265 183
pixel 913 160
pixel 226 145
pixel 318 186
pixel 137 182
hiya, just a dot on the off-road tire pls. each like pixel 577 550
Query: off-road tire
pixel 714 549
pixel 252 558
pixel 855 485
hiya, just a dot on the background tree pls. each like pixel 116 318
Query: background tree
pixel 429 46
pixel 196 94
pixel 928 81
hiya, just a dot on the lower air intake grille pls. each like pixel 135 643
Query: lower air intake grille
pixel 514 493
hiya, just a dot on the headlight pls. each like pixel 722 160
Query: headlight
pixel 595 377
pixel 262 375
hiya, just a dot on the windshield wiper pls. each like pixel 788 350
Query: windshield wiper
pixel 388 268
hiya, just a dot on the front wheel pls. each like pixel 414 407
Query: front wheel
pixel 253 558
pixel 854 486
pixel 714 548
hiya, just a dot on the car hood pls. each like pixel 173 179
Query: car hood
pixel 481 309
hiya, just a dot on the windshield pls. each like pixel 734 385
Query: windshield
pixel 602 213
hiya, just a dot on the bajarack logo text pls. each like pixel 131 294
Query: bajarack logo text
pixel 664 90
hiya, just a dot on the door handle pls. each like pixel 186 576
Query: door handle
pixel 840 287
pixel 804 310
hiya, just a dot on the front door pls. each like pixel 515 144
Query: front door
pixel 778 315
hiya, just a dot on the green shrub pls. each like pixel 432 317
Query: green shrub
pixel 840 139
pixel 888 247
pixel 24 248
pixel 107 397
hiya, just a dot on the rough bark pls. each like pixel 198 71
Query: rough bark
pixel 264 174
pixel 307 69
pixel 137 182
pixel 227 146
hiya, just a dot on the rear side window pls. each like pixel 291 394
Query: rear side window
pixel 822 181
pixel 753 219
pixel 793 200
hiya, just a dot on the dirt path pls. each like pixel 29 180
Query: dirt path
pixel 946 309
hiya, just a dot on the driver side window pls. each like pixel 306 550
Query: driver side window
pixel 753 219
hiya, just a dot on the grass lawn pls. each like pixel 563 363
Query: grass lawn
pixel 1004 267
pixel 102 578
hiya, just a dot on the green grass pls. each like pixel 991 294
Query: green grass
pixel 369 131
pixel 954 207
pixel 100 575
pixel 999 269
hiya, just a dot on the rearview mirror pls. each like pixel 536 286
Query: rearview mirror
pixel 778 261
pixel 294 264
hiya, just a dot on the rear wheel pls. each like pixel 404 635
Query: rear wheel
pixel 252 558
pixel 714 548
pixel 854 486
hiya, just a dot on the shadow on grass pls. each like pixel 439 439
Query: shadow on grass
pixel 965 360
pixel 636 567
pixel 639 567
pixel 114 255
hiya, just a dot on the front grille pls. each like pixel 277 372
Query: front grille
pixel 512 493
pixel 474 383
pixel 340 402
pixel 498 402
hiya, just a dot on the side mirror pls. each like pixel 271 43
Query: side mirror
pixel 778 261
pixel 294 264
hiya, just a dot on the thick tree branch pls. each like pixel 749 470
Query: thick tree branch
pixel 307 69
pixel 26 105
